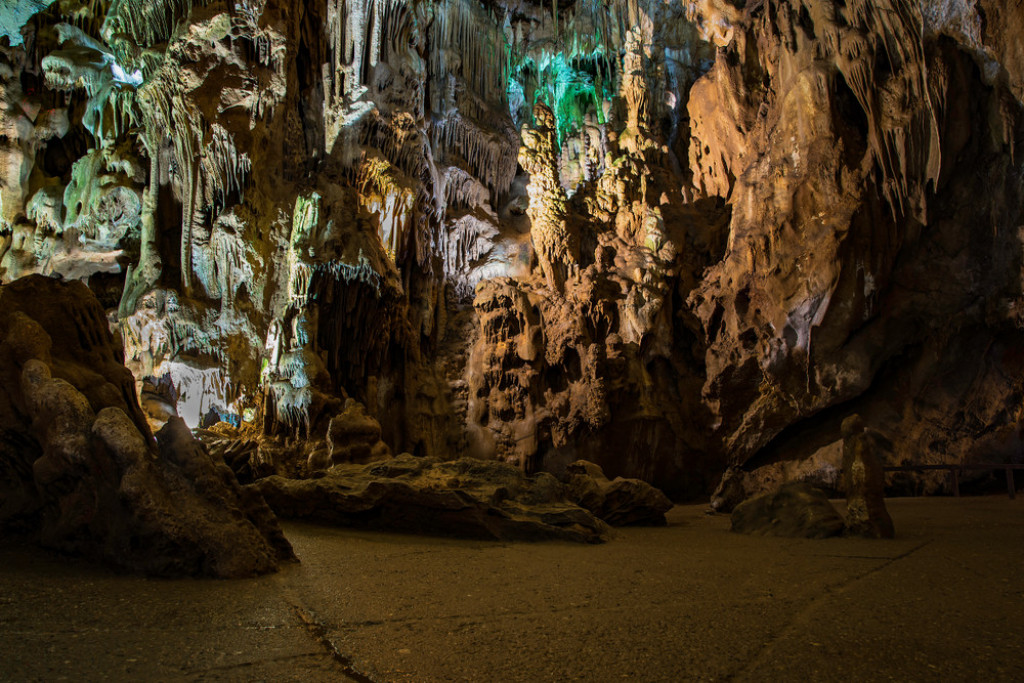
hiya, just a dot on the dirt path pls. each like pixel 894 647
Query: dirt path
pixel 945 600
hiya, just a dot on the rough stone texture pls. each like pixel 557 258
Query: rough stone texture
pixel 866 514
pixel 619 502
pixel 354 436
pixel 469 498
pixel 734 223
pixel 798 326
pixel 81 470
pixel 822 469
pixel 796 510
pixel 555 240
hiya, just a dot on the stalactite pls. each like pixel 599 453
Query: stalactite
pixel 140 278
pixel 483 57
pixel 213 167
pixel 305 221
pixel 356 320
pixel 383 194
pixel 147 22
pixel 488 156
pixel 360 34
pixel 906 151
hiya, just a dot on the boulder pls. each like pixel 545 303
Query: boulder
pixel 619 502
pixel 796 510
pixel 730 491
pixel 354 436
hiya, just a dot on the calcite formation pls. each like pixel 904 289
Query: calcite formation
pixel 555 242
pixel 669 238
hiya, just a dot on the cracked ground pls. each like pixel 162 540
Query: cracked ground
pixel 943 601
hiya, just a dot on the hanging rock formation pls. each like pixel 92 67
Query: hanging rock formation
pixel 668 238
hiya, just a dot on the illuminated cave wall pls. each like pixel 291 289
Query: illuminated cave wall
pixel 662 236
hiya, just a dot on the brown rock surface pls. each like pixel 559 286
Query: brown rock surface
pixel 795 511
pixel 864 480
pixel 82 472
pixel 619 502
pixel 468 498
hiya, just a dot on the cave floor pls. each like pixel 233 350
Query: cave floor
pixel 945 600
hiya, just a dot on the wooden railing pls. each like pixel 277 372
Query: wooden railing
pixel 955 470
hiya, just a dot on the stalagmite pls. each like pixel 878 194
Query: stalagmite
pixel 555 240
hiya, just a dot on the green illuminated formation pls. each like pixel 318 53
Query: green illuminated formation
pixel 573 88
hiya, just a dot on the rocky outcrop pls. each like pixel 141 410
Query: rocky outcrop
pixel 468 498
pixel 829 297
pixel 82 472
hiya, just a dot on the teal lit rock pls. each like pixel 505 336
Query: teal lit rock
pixel 14 14
pixel 572 87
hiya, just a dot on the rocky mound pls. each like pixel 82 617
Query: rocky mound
pixel 79 467
pixel 467 498
pixel 796 510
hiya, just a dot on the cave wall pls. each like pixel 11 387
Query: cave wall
pixel 666 237
pixel 885 246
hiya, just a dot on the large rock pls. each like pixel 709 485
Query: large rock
pixel 619 502
pixel 796 511
pixel 81 469
pixel 468 498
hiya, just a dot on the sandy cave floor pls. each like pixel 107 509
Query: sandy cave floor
pixel 944 601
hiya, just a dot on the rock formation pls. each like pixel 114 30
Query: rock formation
pixel 620 502
pixel 467 497
pixel 81 470
pixel 796 510
pixel 669 238
pixel 555 242
pixel 864 480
